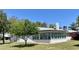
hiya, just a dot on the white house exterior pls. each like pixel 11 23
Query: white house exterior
pixel 48 36
pixel 5 35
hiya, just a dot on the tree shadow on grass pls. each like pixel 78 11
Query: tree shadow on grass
pixel 21 45
pixel 77 45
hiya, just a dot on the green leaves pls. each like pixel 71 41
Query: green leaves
pixel 77 21
pixel 3 21
pixel 52 26
pixel 40 24
pixel 30 29
pixel 22 27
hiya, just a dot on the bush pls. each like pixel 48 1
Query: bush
pixel 75 36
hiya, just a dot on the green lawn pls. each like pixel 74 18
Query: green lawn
pixel 70 45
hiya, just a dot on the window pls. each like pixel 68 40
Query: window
pixel 45 36
pixel 48 36
pixel 35 37
pixel 61 35
pixel 42 36
pixel 52 35
pixel 58 35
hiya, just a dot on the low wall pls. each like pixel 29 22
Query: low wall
pixel 51 41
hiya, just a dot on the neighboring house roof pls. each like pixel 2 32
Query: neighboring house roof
pixel 71 31
pixel 5 35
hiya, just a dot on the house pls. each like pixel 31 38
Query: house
pixel 6 35
pixel 44 36
pixel 48 36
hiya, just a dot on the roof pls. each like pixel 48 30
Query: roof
pixel 44 28
pixel 70 31
pixel 47 29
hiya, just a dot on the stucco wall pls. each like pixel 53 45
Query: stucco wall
pixel 51 41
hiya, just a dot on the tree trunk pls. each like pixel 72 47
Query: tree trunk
pixel 25 42
pixel 10 40
pixel 25 38
pixel 3 37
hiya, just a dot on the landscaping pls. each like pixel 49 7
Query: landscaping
pixel 70 45
pixel 14 28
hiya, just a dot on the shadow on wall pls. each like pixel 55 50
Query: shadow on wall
pixel 22 45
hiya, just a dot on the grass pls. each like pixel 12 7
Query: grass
pixel 70 45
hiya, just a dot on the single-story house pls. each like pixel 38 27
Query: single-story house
pixel 45 36
pixel 48 36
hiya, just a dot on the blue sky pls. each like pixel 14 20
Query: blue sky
pixel 50 16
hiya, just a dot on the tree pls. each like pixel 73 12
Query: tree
pixel 15 26
pixel 73 26
pixel 3 24
pixel 40 24
pixel 29 29
pixel 52 26
pixel 77 21
pixel 44 24
pixel 23 28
